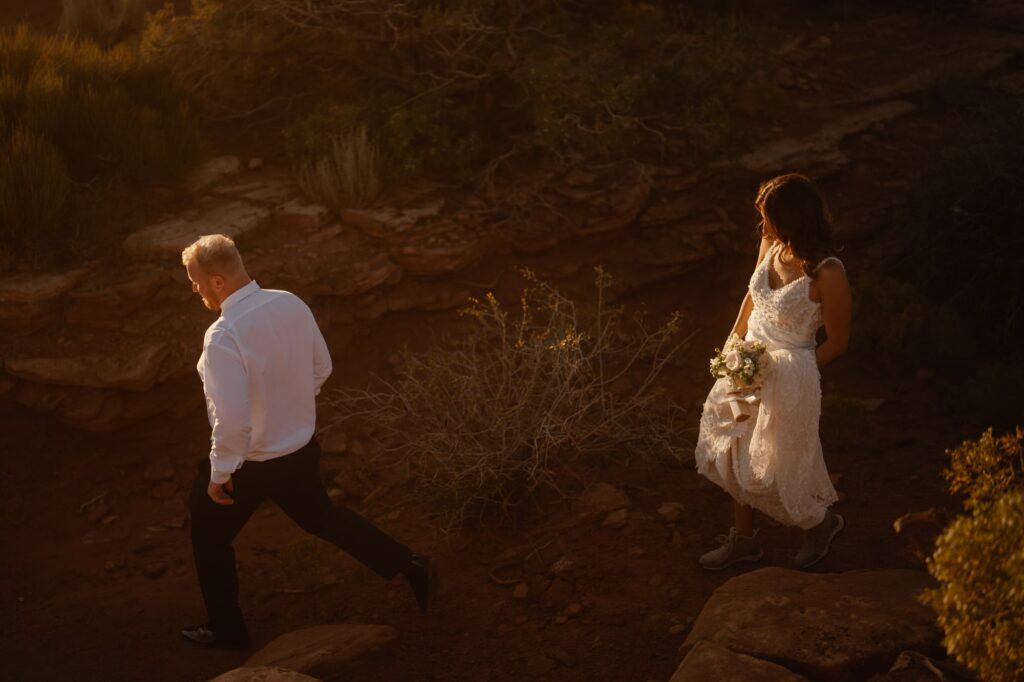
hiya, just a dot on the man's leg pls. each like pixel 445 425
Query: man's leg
pixel 301 495
pixel 214 527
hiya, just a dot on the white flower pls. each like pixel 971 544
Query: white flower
pixel 733 361
pixel 750 346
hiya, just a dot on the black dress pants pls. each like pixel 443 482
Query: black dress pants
pixel 293 482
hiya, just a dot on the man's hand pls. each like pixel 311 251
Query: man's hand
pixel 217 494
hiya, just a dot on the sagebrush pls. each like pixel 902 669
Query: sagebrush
pixel 524 402
pixel 979 559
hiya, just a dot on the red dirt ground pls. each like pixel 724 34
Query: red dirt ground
pixel 76 611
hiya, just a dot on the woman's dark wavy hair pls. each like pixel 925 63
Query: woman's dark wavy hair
pixel 793 212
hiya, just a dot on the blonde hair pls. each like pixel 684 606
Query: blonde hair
pixel 215 254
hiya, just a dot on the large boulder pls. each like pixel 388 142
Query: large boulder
pixel 825 626
pixel 262 674
pixel 328 652
pixel 709 661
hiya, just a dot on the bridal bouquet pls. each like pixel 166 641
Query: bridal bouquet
pixel 745 364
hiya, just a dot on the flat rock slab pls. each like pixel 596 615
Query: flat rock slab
pixel 709 661
pixel 263 674
pixel 826 626
pixel 336 261
pixel 820 151
pixel 135 368
pixel 27 300
pixel 169 238
pixel 212 171
pixel 328 652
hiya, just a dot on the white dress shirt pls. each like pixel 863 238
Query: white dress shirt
pixel 263 363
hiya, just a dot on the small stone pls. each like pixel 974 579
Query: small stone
pixel 671 511
pixel 603 498
pixel 562 566
pixel 561 620
pixel 636 551
pixel 255 163
pixel 656 580
pixel 617 519
pixel 521 591
pixel 393 516
pixel 822 41
pixel 573 609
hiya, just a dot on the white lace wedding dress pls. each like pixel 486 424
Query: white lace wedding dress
pixel 773 461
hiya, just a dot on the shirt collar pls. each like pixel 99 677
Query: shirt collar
pixel 238 295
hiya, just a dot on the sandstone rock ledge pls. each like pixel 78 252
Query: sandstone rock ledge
pixel 780 624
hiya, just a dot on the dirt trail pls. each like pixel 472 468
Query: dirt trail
pixel 112 606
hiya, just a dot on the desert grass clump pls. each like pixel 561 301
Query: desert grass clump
pixel 347 173
pixel 526 402
pixel 35 193
pixel 979 559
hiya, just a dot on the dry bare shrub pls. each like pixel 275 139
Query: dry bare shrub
pixel 489 419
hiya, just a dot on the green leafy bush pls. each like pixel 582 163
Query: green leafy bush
pixel 979 559
pixel 85 122
pixel 986 469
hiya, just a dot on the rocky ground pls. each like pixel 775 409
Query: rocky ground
pixel 102 418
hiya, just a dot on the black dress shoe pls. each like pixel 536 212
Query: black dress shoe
pixel 423 578
pixel 203 635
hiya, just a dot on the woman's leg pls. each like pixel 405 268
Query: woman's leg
pixel 744 518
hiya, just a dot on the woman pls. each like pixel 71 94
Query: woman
pixel 773 461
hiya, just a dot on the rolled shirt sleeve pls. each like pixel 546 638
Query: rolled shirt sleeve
pixel 227 402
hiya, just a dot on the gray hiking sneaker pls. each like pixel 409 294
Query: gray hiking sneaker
pixel 735 547
pixel 818 539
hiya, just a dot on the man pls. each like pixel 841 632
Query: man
pixel 264 361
